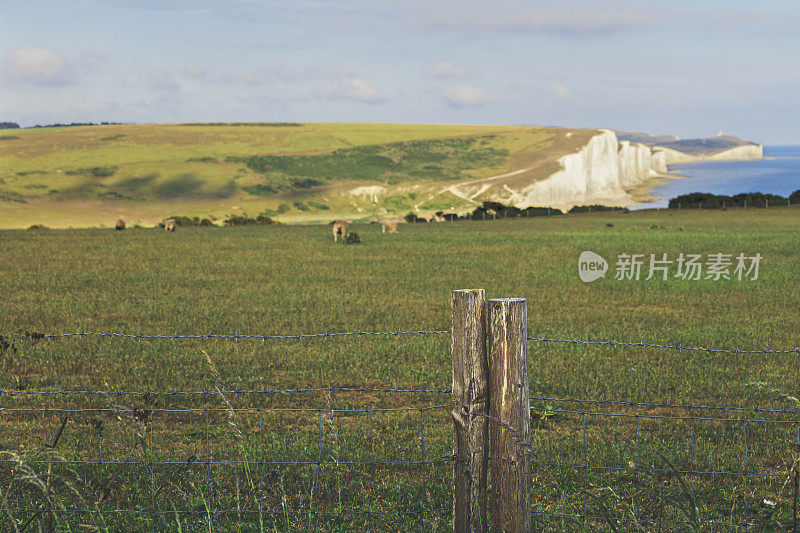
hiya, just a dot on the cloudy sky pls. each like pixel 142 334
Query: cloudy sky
pixel 686 67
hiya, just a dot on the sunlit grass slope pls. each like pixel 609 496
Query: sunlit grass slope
pixel 92 175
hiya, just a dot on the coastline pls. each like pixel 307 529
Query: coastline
pixel 775 173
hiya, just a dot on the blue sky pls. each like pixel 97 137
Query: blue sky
pixel 688 68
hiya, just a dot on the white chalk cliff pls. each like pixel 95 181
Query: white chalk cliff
pixel 747 152
pixel 601 172
pixel 605 170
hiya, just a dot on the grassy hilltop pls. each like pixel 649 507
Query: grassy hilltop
pixel 91 175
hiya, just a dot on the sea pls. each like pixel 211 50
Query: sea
pixel 778 173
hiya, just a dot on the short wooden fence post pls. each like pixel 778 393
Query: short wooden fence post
pixel 509 415
pixel 470 397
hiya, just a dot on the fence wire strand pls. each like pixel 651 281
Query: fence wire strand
pixel 264 337
pixel 679 347
pixel 224 336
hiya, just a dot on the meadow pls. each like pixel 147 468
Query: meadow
pixel 88 176
pixel 294 279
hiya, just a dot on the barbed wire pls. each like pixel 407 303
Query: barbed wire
pixel 658 405
pixel 264 337
pixel 228 336
pixel 11 392
pixel 225 409
pixel 679 347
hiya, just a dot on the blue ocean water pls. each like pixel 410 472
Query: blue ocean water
pixel 778 174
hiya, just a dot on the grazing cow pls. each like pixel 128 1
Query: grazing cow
pixel 388 225
pixel 120 225
pixel 169 224
pixel 339 228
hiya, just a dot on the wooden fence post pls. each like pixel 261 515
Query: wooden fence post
pixel 470 397
pixel 509 415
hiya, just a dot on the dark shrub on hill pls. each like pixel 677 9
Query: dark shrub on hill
pixel 188 221
pixel 504 211
pixel 699 199
pixel 260 190
pixel 307 183
pixel 758 199
pixel 595 208
pixel 794 198
pixel 704 200
pixel 541 212
pixel 260 220
pixel 97 172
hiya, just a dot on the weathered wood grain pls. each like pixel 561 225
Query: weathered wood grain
pixel 469 394
pixel 509 415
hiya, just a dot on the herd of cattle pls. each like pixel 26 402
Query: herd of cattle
pixel 340 227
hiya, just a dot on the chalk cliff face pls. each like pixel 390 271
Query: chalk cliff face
pixel 746 152
pixel 601 172
pixel 740 153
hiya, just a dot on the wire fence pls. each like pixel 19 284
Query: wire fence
pixel 27 335
pixel 226 457
pixel 656 464
pixel 347 457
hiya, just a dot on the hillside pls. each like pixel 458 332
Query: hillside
pixel 706 147
pixel 644 138
pixel 89 176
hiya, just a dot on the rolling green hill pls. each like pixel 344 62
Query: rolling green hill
pixel 92 175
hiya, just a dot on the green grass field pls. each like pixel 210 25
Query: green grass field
pixel 294 279
pixel 90 176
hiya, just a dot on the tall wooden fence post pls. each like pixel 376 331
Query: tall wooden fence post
pixel 509 415
pixel 470 397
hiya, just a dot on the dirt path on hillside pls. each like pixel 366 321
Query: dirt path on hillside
pixel 486 183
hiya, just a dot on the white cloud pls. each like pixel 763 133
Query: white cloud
pixel 162 79
pixel 448 69
pixel 466 94
pixel 193 70
pixel 35 66
pixel 351 88
pixel 559 91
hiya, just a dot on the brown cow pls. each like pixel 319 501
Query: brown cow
pixel 388 225
pixel 169 224
pixel 339 228
pixel 120 225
